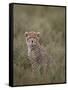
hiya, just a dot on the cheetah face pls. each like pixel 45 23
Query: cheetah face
pixel 32 38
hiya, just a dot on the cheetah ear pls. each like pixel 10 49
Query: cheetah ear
pixel 26 34
pixel 38 34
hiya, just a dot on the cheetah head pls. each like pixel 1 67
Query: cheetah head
pixel 32 39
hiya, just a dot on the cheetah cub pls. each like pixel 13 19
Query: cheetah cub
pixel 36 53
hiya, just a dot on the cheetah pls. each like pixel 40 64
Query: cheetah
pixel 37 54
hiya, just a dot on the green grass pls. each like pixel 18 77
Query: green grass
pixel 50 22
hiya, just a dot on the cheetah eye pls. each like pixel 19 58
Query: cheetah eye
pixel 32 41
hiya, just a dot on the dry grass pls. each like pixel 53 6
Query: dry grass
pixel 50 22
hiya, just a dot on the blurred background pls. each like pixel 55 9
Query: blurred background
pixel 50 22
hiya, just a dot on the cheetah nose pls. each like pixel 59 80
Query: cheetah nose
pixel 32 41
